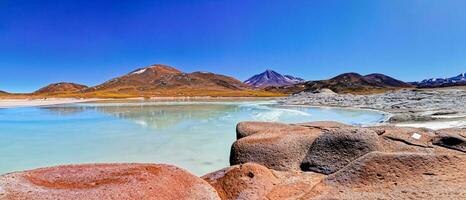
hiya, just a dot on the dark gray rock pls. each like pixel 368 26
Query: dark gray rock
pixel 335 148
pixel 451 138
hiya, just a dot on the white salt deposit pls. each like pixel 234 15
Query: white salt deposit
pixel 416 136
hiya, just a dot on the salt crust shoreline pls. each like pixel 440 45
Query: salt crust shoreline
pixel 434 109
pixel 444 122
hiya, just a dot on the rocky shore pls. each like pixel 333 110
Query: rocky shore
pixel 317 160
pixel 404 105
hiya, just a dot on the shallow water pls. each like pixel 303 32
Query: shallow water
pixel 193 135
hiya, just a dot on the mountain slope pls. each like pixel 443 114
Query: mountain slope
pixel 459 80
pixel 347 83
pixel 62 87
pixel 272 78
pixel 163 80
pixel 385 81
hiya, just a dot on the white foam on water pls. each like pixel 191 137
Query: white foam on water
pixel 275 114
pixel 141 122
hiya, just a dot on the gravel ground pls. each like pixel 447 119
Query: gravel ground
pixel 404 105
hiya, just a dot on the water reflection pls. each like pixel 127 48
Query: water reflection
pixel 154 116
pixel 63 111
pixel 195 136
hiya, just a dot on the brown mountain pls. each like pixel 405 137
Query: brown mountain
pixel 385 81
pixel 59 88
pixel 163 80
pixel 3 92
pixel 347 83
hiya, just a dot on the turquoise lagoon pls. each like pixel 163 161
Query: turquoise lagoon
pixel 196 136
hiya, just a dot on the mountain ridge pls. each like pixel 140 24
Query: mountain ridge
pixel 459 80
pixel 350 82
pixel 164 80
pixel 61 87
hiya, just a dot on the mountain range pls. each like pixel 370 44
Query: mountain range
pixel 347 83
pixel 156 80
pixel 163 80
pixel 459 80
pixel 272 78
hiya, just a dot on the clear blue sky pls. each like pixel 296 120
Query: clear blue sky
pixel 90 42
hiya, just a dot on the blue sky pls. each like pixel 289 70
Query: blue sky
pixel 90 42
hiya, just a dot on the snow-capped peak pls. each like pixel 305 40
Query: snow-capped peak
pixel 140 71
pixel 439 82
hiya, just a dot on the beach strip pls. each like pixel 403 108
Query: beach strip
pixel 14 103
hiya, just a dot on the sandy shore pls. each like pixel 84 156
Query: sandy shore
pixel 13 103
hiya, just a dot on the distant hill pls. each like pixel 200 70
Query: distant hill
pixel 163 80
pixel 3 92
pixel 62 87
pixel 385 81
pixel 459 80
pixel 347 83
pixel 272 78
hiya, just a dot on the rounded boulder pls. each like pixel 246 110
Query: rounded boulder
pixel 105 181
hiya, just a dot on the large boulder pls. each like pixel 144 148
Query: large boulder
pixel 383 162
pixel 275 149
pixel 379 175
pixel 252 181
pixel 105 181
pixel 247 181
pixel 336 148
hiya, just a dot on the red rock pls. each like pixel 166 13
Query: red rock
pixel 253 181
pixel 247 181
pixel 275 150
pixel 413 136
pixel 379 175
pixel 105 181
pixel 325 124
pixel 244 129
